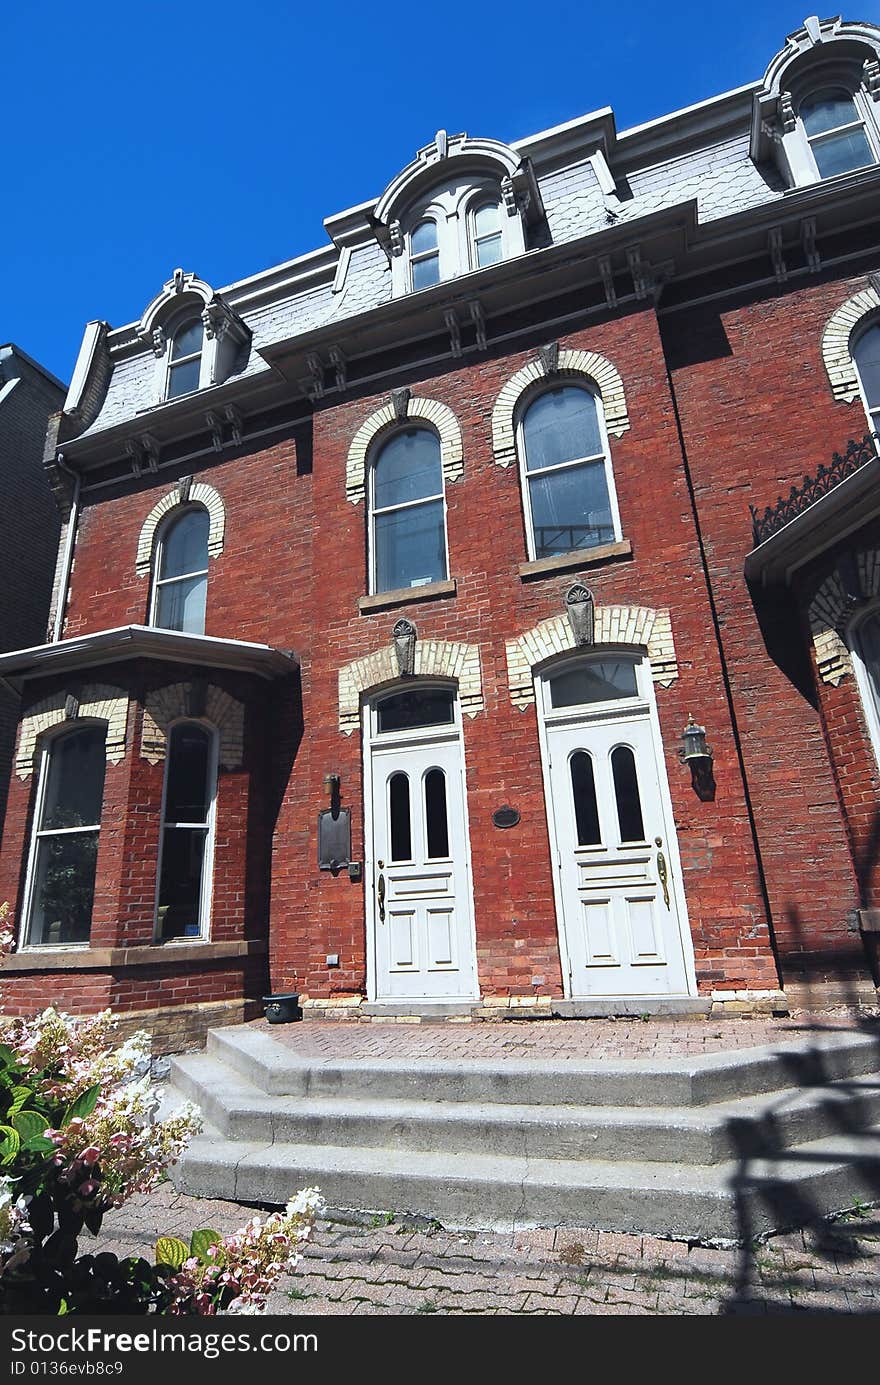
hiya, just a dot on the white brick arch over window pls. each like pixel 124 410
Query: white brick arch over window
pixel 837 343
pixel 173 702
pixel 613 625
pixel 95 702
pixel 590 366
pixel 433 659
pixel 199 494
pixel 430 411
pixel 831 612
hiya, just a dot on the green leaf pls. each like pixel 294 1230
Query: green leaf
pixel 202 1241
pixel 37 1144
pixel 10 1143
pixel 171 1251
pixel 8 1059
pixel 83 1106
pixel 29 1123
pixel 20 1098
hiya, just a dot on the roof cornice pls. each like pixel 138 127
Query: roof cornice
pixel 146 642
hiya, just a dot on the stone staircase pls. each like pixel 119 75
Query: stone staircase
pixel 719 1147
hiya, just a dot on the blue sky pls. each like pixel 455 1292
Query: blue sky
pixel 217 136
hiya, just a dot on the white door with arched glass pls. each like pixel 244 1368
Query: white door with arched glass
pixel 623 929
pixel 419 896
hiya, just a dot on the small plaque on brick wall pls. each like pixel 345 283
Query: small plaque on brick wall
pixel 334 839
pixel 506 816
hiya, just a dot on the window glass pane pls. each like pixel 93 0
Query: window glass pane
pixel 487 219
pixel 185 545
pixel 75 783
pixel 187 795
pixel 586 809
pixel 180 886
pixel 408 468
pixel 181 605
pixel 827 112
pixel 399 835
pixel 183 379
pixel 489 251
pixel 64 888
pixel 561 426
pixel 426 272
pixel 424 237
pixel 593 682
pixel 626 789
pixel 410 547
pixel 436 824
pixel 867 358
pixel 187 340
pixel 421 707
pixel 840 153
pixel 571 509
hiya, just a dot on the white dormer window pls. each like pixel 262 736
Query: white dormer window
pixel 195 336
pixel 424 255
pixel 835 132
pixel 487 242
pixel 185 349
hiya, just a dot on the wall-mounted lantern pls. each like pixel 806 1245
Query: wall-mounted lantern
pixel 697 755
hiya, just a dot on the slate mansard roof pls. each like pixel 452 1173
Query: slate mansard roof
pixel 710 166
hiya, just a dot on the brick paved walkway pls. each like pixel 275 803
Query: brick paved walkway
pixel 400 1268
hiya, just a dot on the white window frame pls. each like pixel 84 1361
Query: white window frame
pixel 449 206
pixel 37 833
pixel 176 515
pixel 604 456
pixel 478 204
pixel 415 425
pixel 414 258
pixel 864 121
pixel 206 891
pixel 185 318
pixel 872 415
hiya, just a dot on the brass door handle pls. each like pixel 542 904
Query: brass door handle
pixel 662 871
pixel 380 891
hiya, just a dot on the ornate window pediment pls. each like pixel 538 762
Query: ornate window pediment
pixel 194 335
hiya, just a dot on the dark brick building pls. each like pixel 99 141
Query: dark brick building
pixel 399 571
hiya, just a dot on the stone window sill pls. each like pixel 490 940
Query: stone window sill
pixel 404 596
pixel 578 558
pixel 158 954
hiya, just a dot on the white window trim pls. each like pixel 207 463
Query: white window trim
pixel 185 318
pixel 36 833
pixel 207 888
pixel 175 516
pixel 873 416
pixel 864 120
pixel 376 451
pixel 420 257
pixel 803 169
pixel 450 206
pixel 475 205
pixel 863 679
pixel 604 456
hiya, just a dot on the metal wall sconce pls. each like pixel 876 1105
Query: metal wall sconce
pixel 697 755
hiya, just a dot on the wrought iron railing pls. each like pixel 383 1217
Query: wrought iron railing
pixel 775 517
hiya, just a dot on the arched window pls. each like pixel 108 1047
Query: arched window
pixel 408 543
pixel 64 845
pixel 486 235
pixel 180 583
pixel 185 358
pixel 866 355
pixel 424 255
pixel 835 131
pixel 568 492
pixel 186 845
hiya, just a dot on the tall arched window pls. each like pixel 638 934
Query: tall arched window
pixel 186 847
pixel 424 255
pixel 866 355
pixel 835 130
pixel 180 583
pixel 408 543
pixel 568 492
pixel 185 357
pixel 64 845
pixel 486 235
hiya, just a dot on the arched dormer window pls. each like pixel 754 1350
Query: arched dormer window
pixel 407 512
pixel 187 840
pixel 60 888
pixel 486 234
pixel 424 255
pixel 180 572
pixel 185 352
pixel 866 358
pixel 835 132
pixel 568 489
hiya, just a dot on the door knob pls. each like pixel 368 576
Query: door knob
pixel 662 872
pixel 380 891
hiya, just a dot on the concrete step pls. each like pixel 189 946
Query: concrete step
pixel 277 1069
pixel 755 1125
pixel 735 1200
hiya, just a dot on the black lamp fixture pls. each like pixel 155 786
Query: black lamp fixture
pixel 697 755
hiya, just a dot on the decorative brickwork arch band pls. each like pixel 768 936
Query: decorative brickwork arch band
pixel 432 658
pixel 628 625
pixel 832 610
pixel 196 700
pixel 96 701
pixel 836 343
pixel 430 411
pixel 196 493
pixel 596 369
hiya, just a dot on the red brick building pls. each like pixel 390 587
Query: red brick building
pixel 392 576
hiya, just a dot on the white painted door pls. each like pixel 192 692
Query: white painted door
pixel 420 910
pixel 619 884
